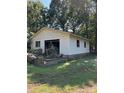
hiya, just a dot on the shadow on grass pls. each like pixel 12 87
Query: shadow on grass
pixel 74 73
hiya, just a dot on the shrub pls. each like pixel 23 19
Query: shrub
pixel 37 52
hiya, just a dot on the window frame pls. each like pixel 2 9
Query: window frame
pixel 78 43
pixel 85 44
pixel 37 43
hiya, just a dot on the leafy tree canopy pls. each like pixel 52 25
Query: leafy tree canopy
pixel 78 16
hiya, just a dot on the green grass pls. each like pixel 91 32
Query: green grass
pixel 67 77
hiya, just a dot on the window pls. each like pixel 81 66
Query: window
pixel 37 44
pixel 78 43
pixel 85 44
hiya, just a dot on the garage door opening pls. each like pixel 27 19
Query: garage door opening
pixel 53 43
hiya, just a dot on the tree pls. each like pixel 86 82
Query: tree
pixel 58 14
pixel 79 16
pixel 76 15
pixel 34 18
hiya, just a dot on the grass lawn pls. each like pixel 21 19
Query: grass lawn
pixel 76 76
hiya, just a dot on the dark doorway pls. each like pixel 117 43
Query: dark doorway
pixel 54 42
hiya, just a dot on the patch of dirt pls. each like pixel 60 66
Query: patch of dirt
pixel 86 89
pixel 31 86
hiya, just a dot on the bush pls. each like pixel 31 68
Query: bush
pixel 37 52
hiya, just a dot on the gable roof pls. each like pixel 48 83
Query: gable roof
pixel 52 29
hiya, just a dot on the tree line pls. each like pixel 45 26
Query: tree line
pixel 77 16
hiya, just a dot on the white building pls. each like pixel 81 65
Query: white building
pixel 66 42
